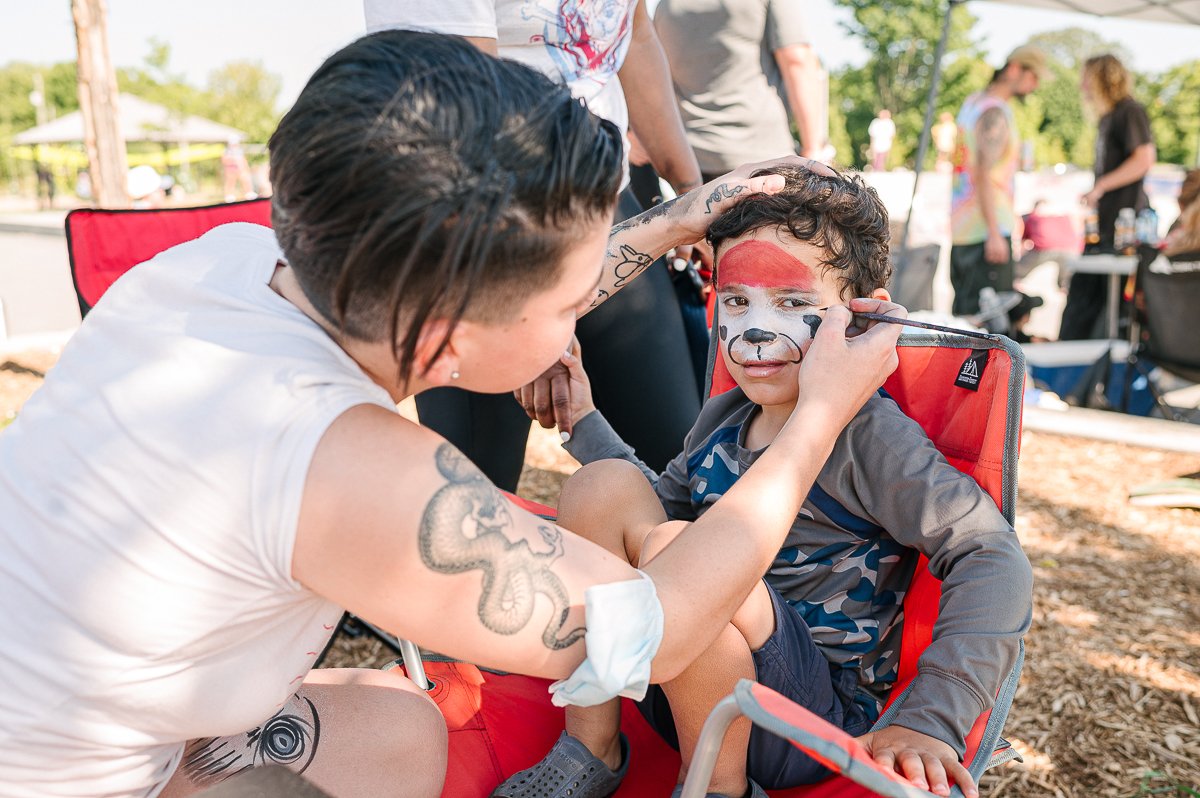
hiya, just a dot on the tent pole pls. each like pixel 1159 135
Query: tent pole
pixel 930 105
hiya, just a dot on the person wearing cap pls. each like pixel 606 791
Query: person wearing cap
pixel 982 219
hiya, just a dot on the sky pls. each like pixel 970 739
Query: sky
pixel 291 37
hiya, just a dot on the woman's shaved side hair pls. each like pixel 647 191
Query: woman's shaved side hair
pixel 417 178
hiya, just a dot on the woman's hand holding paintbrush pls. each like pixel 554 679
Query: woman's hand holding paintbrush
pixel 924 325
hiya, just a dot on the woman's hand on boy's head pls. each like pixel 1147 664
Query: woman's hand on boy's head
pixel 700 206
pixel 811 164
pixel 926 761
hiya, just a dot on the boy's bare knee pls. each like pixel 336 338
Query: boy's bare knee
pixel 658 539
pixel 610 502
pixel 755 619
pixel 597 483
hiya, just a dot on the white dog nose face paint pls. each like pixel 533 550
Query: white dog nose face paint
pixel 768 302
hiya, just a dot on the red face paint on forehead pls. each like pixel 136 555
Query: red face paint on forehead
pixel 761 264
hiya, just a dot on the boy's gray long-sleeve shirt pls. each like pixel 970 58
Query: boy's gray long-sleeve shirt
pixel 884 494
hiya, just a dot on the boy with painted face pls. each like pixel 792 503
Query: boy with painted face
pixel 824 625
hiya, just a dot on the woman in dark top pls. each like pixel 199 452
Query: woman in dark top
pixel 1124 154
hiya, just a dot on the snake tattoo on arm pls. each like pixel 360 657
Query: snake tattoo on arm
pixel 463 529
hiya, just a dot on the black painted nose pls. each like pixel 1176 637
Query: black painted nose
pixel 757 336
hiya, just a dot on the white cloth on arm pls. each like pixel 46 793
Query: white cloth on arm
pixel 624 630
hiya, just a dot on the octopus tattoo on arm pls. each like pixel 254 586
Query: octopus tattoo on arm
pixel 289 738
pixel 463 529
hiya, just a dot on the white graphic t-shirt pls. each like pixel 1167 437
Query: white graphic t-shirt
pixel 580 43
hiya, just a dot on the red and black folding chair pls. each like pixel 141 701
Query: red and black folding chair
pixel 977 429
pixel 502 723
pixel 104 244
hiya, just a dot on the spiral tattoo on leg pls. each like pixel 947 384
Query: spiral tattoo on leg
pixel 288 738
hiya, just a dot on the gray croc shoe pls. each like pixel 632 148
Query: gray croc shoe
pixel 568 771
pixel 755 791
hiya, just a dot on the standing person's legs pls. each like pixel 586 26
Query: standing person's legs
pixel 970 272
pixel 353 732
pixel 966 261
pixel 1083 315
pixel 490 429
pixel 636 353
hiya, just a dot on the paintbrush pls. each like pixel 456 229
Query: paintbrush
pixel 924 325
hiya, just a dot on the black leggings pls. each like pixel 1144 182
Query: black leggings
pixel 636 355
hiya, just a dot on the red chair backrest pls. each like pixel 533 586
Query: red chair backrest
pixel 104 244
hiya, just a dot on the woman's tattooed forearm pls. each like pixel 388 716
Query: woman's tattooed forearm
pixel 463 529
pixel 662 209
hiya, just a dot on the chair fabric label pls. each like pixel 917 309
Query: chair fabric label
pixel 971 372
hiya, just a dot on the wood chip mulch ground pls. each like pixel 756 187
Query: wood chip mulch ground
pixel 1109 703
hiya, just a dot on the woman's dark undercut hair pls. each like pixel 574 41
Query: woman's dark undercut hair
pixel 840 214
pixel 417 178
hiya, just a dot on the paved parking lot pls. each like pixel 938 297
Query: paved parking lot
pixel 36 295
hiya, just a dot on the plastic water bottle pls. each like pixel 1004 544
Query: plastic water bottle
pixel 1125 233
pixel 1091 230
pixel 1147 227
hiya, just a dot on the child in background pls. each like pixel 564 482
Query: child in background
pixel 824 625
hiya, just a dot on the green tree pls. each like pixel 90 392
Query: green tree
pixel 1174 111
pixel 155 81
pixel 17 112
pixel 244 95
pixel 900 37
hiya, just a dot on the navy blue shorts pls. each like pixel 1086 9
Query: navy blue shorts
pixel 791 664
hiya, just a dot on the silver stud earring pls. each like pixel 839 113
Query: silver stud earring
pixel 454 375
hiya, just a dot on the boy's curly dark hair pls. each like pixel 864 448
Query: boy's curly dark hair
pixel 841 214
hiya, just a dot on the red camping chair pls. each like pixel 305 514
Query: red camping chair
pixel 104 244
pixel 502 723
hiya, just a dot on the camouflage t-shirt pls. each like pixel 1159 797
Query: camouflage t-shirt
pixel 842 573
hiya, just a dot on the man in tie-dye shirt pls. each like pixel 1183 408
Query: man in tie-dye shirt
pixel 824 626
pixel 982 220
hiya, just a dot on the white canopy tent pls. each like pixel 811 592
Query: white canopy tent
pixel 1186 12
pixel 141 120
pixel 1183 12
